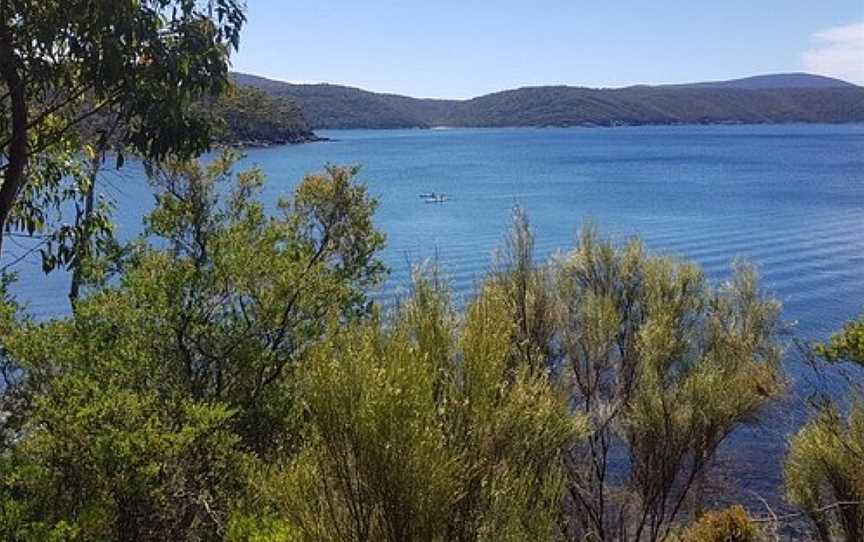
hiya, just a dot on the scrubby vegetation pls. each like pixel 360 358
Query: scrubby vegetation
pixel 424 428
pixel 226 377
pixel 825 466
pixel 665 368
pixel 140 415
pixel 235 383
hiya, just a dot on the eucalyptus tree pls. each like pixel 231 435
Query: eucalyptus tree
pixel 65 62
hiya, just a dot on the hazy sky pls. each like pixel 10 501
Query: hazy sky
pixel 464 48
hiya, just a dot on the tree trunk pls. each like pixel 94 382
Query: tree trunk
pixel 13 176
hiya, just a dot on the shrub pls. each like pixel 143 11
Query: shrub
pixel 824 473
pixel 419 429
pixel 729 525
pixel 824 469
pixel 662 365
pixel 141 416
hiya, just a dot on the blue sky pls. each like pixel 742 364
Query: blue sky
pixel 460 49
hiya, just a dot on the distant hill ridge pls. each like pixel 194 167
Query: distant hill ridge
pixel 774 81
pixel 779 98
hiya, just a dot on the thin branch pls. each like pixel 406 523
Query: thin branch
pixel 57 106
pixel 767 507
pixel 21 258
pixel 828 508
pixel 48 111
pixel 84 116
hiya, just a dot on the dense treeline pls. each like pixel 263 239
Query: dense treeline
pixel 226 377
pixel 777 99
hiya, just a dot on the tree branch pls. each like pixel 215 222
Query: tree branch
pixel 827 508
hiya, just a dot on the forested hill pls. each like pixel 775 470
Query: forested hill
pixel 335 106
pixel 256 118
pixel 763 99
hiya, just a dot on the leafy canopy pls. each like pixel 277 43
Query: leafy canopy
pixel 137 64
pixel 139 416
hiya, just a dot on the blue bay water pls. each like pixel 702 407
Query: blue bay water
pixel 788 198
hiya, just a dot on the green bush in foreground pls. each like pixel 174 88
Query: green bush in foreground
pixel 825 473
pixel 665 367
pixel 422 430
pixel 140 416
pixel 235 383
pixel 824 470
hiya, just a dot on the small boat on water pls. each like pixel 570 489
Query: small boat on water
pixel 433 197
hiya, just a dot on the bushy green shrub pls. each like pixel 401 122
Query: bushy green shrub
pixel 824 473
pixel 235 383
pixel 664 366
pixel 824 470
pixel 141 415
pixel 420 429
pixel 848 345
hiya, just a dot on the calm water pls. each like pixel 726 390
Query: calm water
pixel 789 198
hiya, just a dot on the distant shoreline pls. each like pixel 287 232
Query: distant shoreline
pixel 592 126
pixel 264 144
